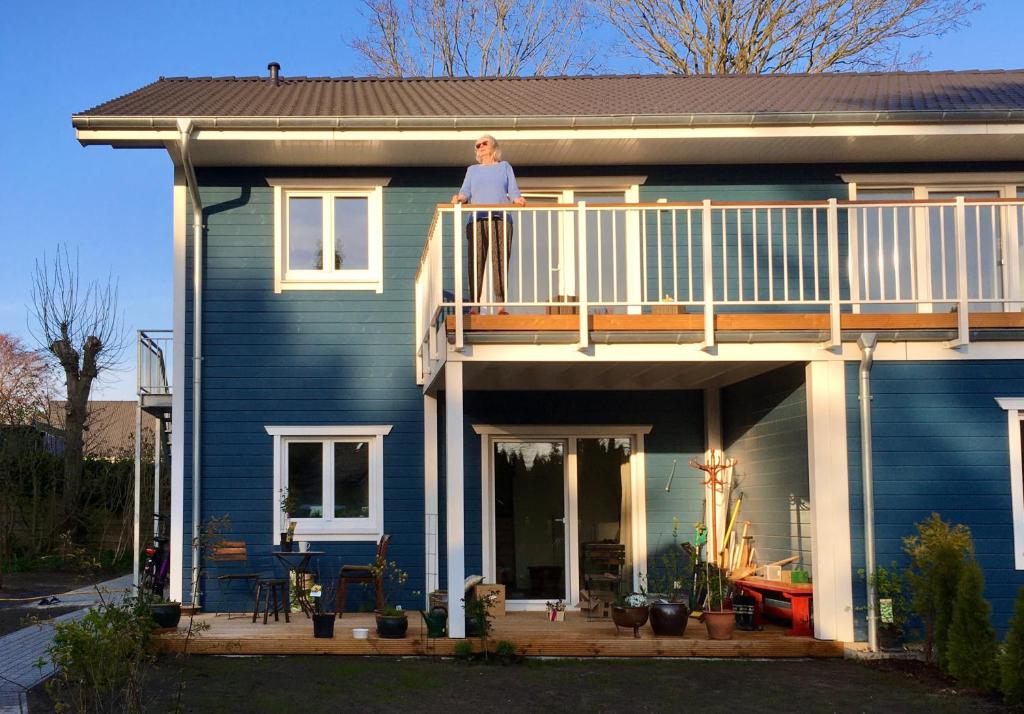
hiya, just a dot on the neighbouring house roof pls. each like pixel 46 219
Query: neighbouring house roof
pixel 110 428
pixel 904 96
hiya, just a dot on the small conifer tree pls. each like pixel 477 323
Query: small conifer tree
pixel 1012 661
pixel 972 643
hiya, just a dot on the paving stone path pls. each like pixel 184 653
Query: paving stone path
pixel 21 650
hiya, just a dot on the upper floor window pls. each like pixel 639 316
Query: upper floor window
pixel 328 234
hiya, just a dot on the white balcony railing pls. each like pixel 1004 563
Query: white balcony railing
pixel 153 362
pixel 833 256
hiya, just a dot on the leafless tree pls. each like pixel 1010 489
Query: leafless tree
pixel 82 330
pixel 25 383
pixel 762 36
pixel 475 38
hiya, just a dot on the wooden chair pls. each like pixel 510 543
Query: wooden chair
pixel 603 564
pixel 362 575
pixel 234 551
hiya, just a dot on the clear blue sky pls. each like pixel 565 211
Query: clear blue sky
pixel 59 58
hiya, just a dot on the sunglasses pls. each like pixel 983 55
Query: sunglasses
pixel 482 144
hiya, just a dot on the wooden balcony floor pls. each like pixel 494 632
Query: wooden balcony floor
pixel 532 634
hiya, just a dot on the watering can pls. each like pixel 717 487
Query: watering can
pixel 436 621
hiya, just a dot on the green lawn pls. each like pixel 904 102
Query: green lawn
pixel 344 684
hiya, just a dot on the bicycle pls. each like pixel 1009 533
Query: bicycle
pixel 156 571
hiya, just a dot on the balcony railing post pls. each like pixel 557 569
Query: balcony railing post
pixel 457 232
pixel 835 329
pixel 581 255
pixel 709 275
pixel 138 362
pixel 963 327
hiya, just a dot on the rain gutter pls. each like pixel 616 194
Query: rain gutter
pixel 867 342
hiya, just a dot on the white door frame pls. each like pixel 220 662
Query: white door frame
pixel 569 434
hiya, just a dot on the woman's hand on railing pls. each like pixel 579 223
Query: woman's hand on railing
pixel 458 198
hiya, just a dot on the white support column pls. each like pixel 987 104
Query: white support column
pixel 180 276
pixel 158 453
pixel 430 496
pixel 713 418
pixel 138 491
pixel 828 474
pixel 455 493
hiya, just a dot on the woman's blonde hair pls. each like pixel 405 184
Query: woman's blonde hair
pixel 494 144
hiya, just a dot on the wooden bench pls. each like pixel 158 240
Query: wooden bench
pixel 798 594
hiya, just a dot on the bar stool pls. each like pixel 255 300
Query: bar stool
pixel 276 588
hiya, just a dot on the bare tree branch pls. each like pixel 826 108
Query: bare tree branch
pixel 475 38
pixel 83 333
pixel 764 36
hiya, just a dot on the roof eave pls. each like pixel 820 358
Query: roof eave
pixel 93 122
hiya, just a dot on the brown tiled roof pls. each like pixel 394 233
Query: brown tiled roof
pixel 901 92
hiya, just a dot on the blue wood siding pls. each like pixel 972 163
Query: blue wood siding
pixel 940 445
pixel 306 358
pixel 764 425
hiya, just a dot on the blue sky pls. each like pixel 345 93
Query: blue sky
pixel 59 58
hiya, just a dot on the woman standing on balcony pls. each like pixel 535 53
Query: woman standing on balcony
pixel 490 182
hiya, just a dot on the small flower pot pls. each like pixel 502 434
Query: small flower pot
pixel 634 617
pixel 392 627
pixel 323 625
pixel 166 614
pixel 668 619
pixel 720 623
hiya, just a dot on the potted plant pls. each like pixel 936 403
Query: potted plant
pixel 479 616
pixel 289 505
pixel 667 597
pixel 892 605
pixel 631 611
pixel 165 613
pixel 716 607
pixel 322 595
pixel 556 610
pixel 392 620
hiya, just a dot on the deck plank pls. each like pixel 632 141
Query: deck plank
pixel 532 634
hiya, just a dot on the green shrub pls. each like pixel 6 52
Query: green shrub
pixel 972 643
pixel 504 648
pixel 464 650
pixel 101 657
pixel 937 555
pixel 1012 660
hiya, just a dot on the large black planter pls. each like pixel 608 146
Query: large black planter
pixel 166 614
pixel 392 627
pixel 323 626
pixel 668 619
pixel 890 638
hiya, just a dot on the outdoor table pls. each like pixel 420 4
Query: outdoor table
pixel 297 561
pixel 798 594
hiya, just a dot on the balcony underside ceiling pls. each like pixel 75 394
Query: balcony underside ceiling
pixel 609 148
pixel 559 376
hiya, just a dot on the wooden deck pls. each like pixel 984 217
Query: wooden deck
pixel 737 322
pixel 532 634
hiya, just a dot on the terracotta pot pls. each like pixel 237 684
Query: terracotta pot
pixel 668 619
pixel 392 627
pixel 720 624
pixel 635 617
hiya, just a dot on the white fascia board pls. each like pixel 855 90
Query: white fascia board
pixel 510 134
pixel 330 430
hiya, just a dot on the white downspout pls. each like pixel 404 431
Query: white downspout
pixel 866 342
pixel 185 128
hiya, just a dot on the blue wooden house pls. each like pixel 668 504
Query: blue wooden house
pixel 704 264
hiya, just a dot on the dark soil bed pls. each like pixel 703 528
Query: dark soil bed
pixel 331 684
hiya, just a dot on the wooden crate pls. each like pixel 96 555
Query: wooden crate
pixel 498 608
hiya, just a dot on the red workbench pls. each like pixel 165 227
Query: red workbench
pixel 798 594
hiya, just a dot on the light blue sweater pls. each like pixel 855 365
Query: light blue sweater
pixel 490 184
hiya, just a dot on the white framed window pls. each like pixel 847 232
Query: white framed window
pixel 335 476
pixel 1015 423
pixel 328 234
